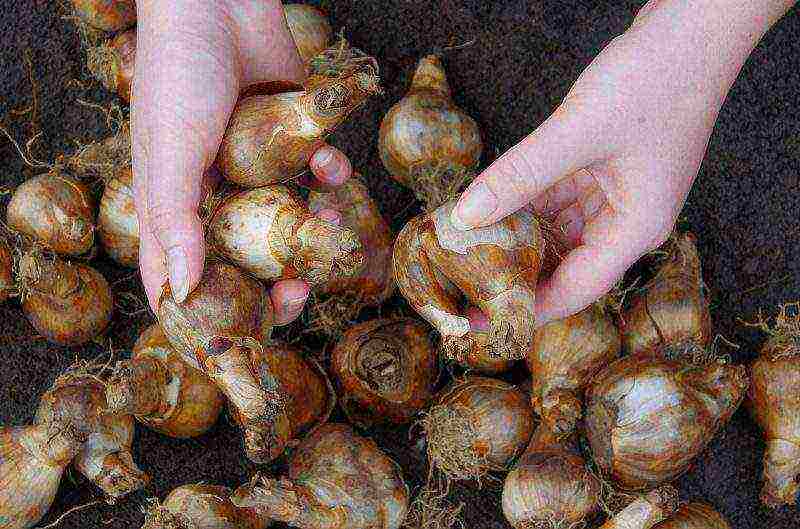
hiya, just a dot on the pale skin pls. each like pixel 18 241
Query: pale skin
pixel 613 163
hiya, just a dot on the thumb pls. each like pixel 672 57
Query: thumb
pixel 185 86
pixel 565 142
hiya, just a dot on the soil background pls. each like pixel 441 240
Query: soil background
pixel 744 207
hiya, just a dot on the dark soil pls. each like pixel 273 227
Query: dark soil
pixel 744 206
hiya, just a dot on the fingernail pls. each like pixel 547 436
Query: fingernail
pixel 178 268
pixel 477 204
pixel 322 157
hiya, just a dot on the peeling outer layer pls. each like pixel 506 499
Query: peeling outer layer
pixel 270 232
pixel 32 462
pixel 565 356
pixel 67 303
pixel 201 506
pixel 226 302
pixel 478 357
pixel 310 29
pixel 117 223
pixel 695 516
pixel 7 282
pixel 162 390
pixel 647 417
pixel 426 142
pixel 113 62
pixel 55 210
pixel 550 483
pixel 275 394
pixel 495 268
pixel 672 308
pixel 270 138
pixel 104 159
pixel 336 480
pixel 774 400
pixel 77 400
pixel 375 283
pixel 647 511
pixel 107 15
pixel 385 371
pixel 478 425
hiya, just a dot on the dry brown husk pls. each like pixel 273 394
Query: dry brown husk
pixel 200 506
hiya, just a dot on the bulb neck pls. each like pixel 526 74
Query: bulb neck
pixel 325 251
pixel 138 387
pixel 283 501
pixel 430 75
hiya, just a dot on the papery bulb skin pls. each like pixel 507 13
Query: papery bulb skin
pixel 270 138
pixel 479 355
pixel 226 302
pixel 113 62
pixel 55 210
pixel 385 371
pixel 695 516
pixel 103 159
pixel 117 223
pixel 162 390
pixel 672 309
pixel 201 506
pixel 7 286
pixel 310 29
pixel 275 394
pixel 478 425
pixel 566 354
pixel 375 283
pixel 107 15
pixel 774 401
pixel 647 417
pixel 67 303
pixel 550 483
pixel 426 142
pixel 336 480
pixel 78 400
pixel 647 511
pixel 270 232
pixel 32 461
pixel 495 268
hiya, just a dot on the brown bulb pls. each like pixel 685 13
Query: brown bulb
pixel 648 417
pixel 336 480
pixel 695 516
pixel 67 303
pixel 672 309
pixel 270 232
pixel 117 223
pixel 646 511
pixel 113 62
pixel 275 394
pixel 32 461
pixel 56 211
pixel 374 284
pixel 106 15
pixel 478 425
pixel 565 356
pixel 201 506
pixel 77 401
pixel 270 138
pixel 163 390
pixel 310 29
pixel 426 142
pixel 226 302
pixel 495 268
pixel 773 400
pixel 385 371
pixel 549 484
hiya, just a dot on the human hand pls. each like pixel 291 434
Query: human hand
pixel 193 59
pixel 613 164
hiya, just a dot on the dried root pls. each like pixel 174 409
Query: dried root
pixel 431 510
pixel 439 182
pixel 784 331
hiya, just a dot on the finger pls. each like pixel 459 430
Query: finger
pixel 151 264
pixel 330 166
pixel 593 268
pixel 185 87
pixel 563 193
pixel 288 298
pixel 569 140
pixel 571 221
pixel 331 215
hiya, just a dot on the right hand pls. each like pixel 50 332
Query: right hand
pixel 193 58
